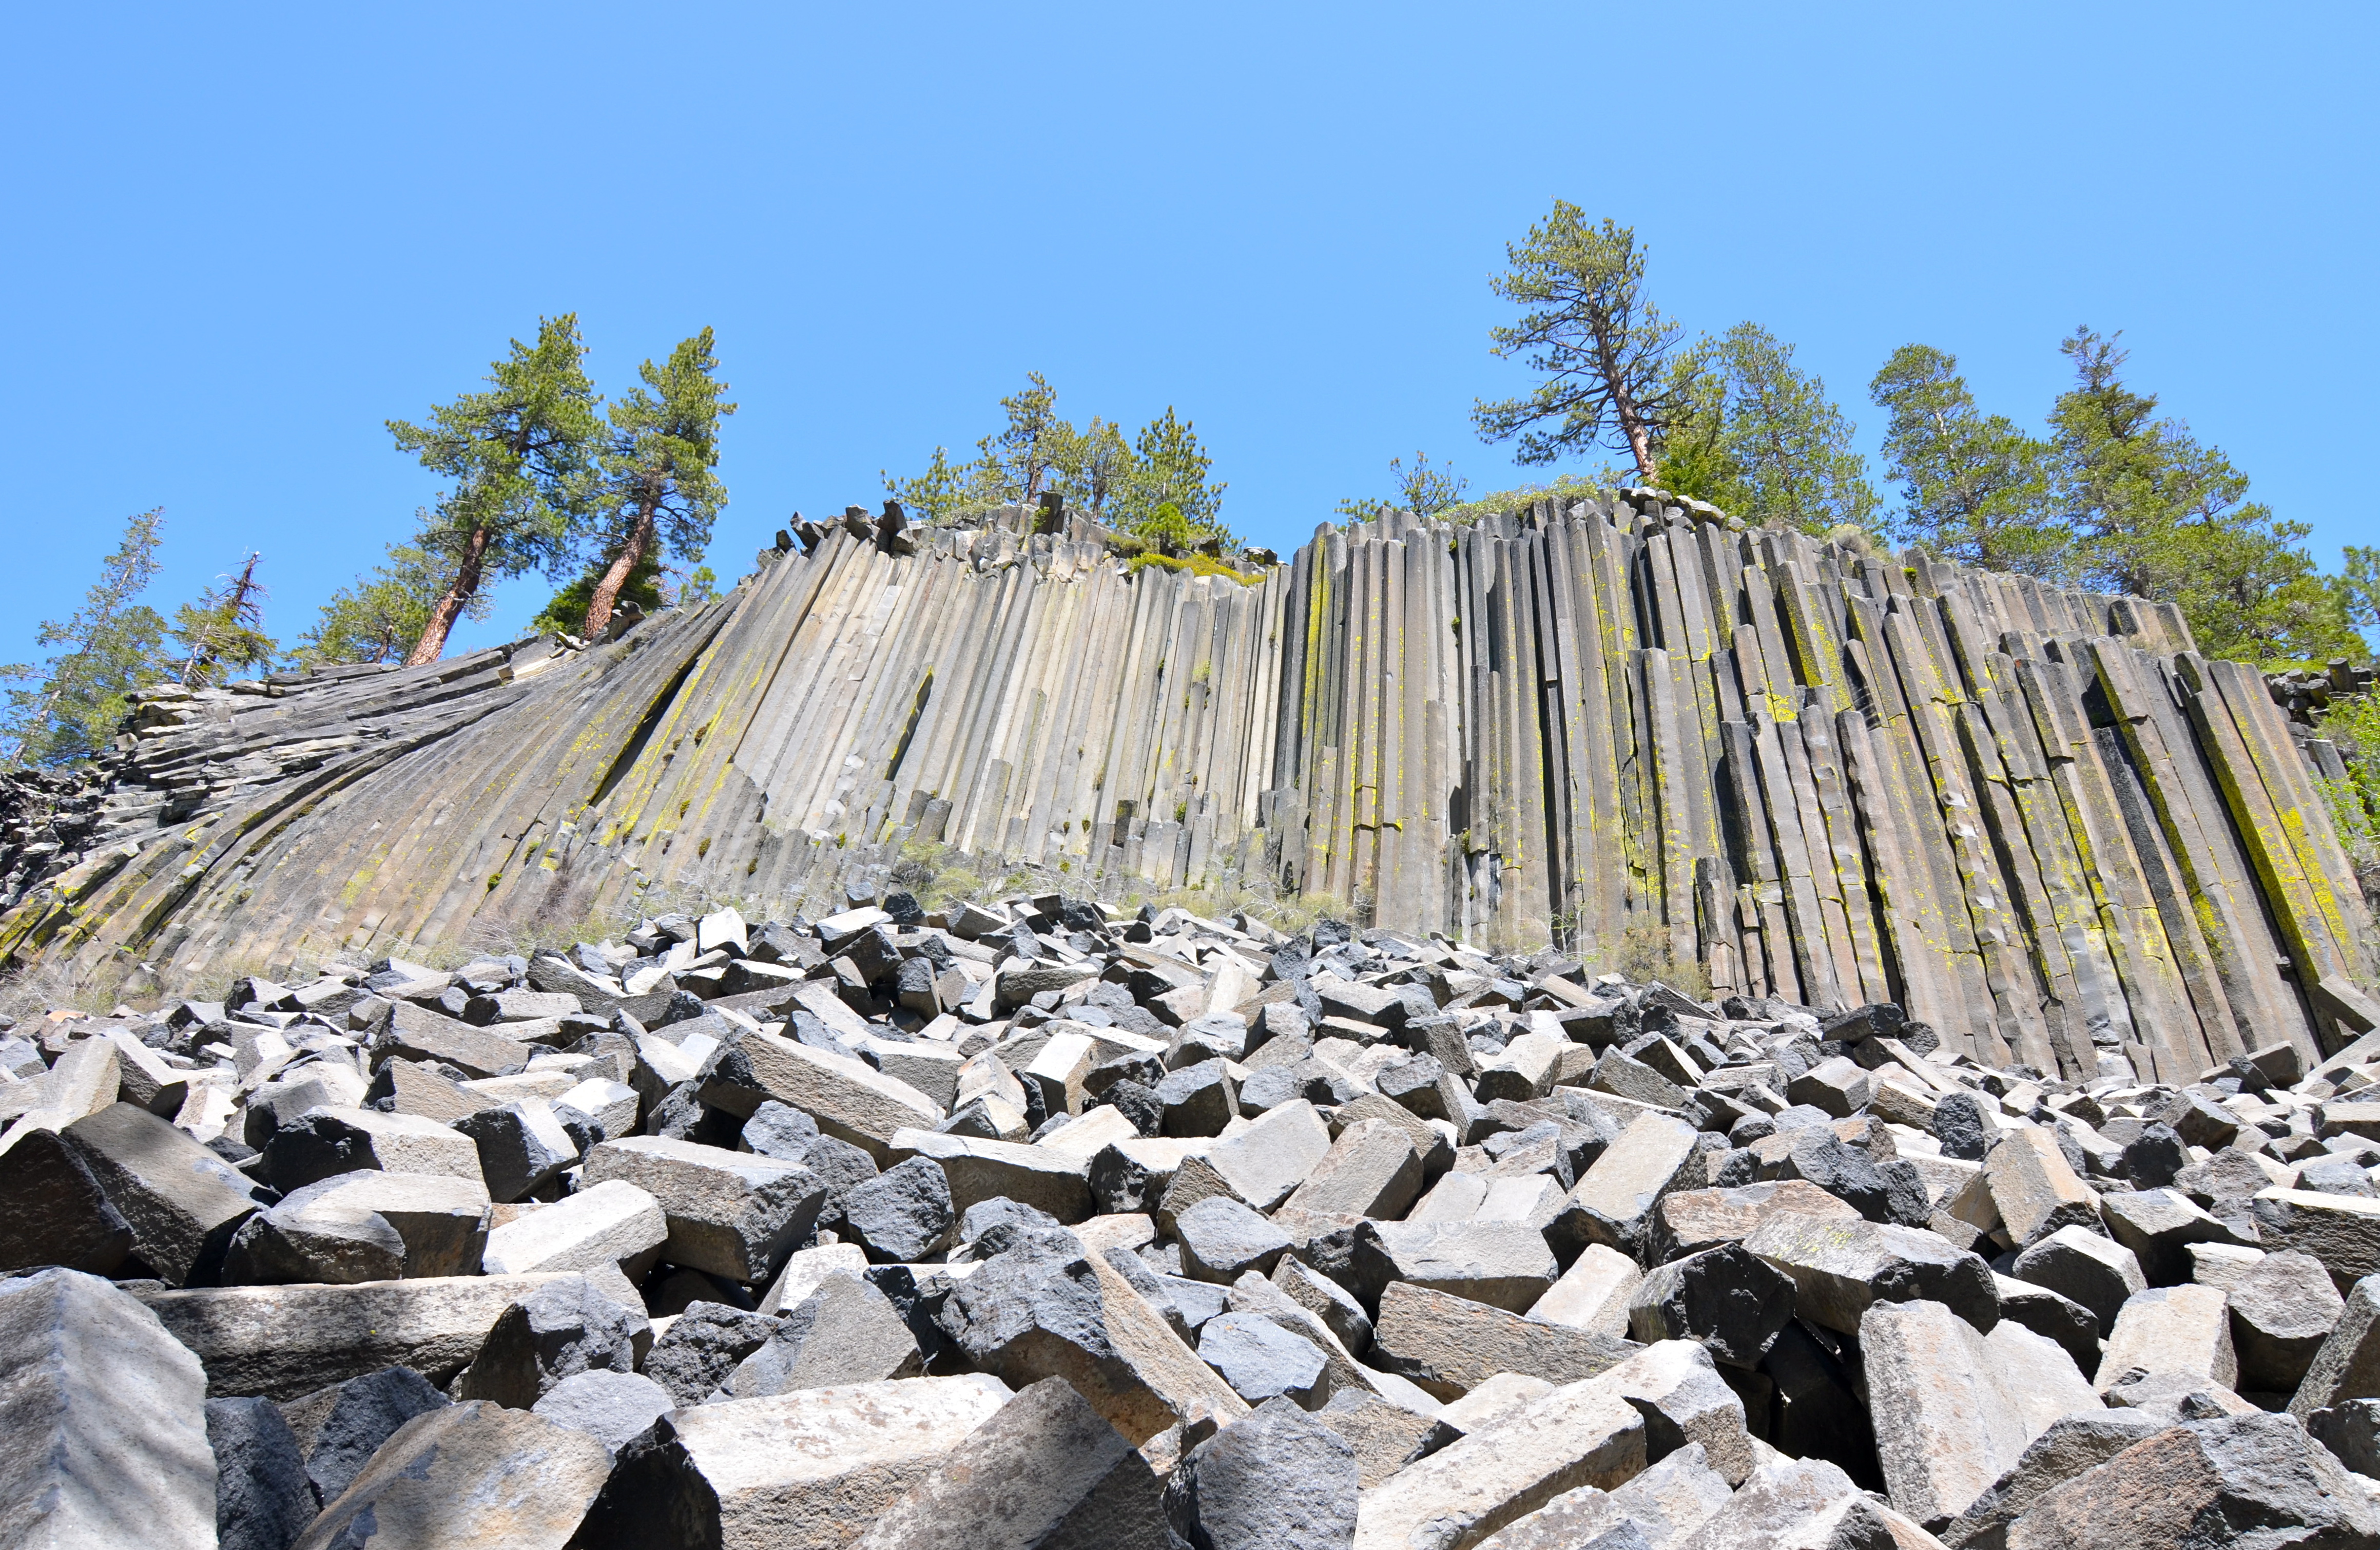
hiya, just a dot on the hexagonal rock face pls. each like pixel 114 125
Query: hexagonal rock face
pixel 1841 1269
pixel 1955 1408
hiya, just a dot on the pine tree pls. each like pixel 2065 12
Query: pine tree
pixel 223 630
pixel 114 645
pixel 521 458
pixel 1421 489
pixel 943 491
pixel 1603 345
pixel 381 614
pixel 1014 461
pixel 1092 468
pixel 1791 443
pixel 1974 487
pixel 658 482
pixel 2158 515
pixel 1170 468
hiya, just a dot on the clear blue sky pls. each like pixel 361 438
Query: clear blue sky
pixel 241 237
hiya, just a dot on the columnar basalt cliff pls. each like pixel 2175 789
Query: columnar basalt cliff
pixel 2037 819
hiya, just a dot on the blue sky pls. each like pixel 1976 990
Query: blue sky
pixel 241 237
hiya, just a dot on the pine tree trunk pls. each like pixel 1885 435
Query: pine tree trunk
pixel 632 554
pixel 447 609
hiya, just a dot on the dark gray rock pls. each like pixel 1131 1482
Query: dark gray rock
pixel 2350 1429
pixel 263 1500
pixel 2083 1268
pixel 183 1203
pixel 1198 1100
pixel 780 1130
pixel 702 1345
pixel 338 1429
pixel 1731 1300
pixel 2070 1446
pixel 2075 1327
pixel 2240 1480
pixel 2153 1158
pixel 2337 1176
pixel 563 1328
pixel 1276 1479
pixel 904 1214
pixel 1962 1127
pixel 56 1213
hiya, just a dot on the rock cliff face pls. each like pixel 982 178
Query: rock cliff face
pixel 2037 819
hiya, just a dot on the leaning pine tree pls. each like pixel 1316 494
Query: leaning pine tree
pixel 658 478
pixel 521 455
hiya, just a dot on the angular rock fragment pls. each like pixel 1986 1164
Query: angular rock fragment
pixel 2083 1268
pixel 468 1474
pixel 2171 1329
pixel 844 1332
pixel 105 1414
pixel 2347 1365
pixel 1504 1264
pixel 2071 1445
pixel 521 1146
pixel 2035 1187
pixel 811 1470
pixel 614 1408
pixel 1661 1506
pixel 903 1214
pixel 2282 1312
pixel 1613 1201
pixel 730 1213
pixel 1045 1309
pixel 981 1171
pixel 1841 1269
pixel 1371 1170
pixel 339 1428
pixel 1955 1408
pixel 1222 1239
pixel 56 1213
pixel 1576 1435
pixel 182 1202
pixel 262 1497
pixel 1045 1473
pixel 2342 1231
pixel 561 1328
pixel 705 1344
pixel 1261 1361
pixel 1731 1301
pixel 847 1098
pixel 612 1222
pixel 328 1141
pixel 1276 1478
pixel 1451 1344
pixel 367 1225
pixel 2187 1484
pixel 2159 1226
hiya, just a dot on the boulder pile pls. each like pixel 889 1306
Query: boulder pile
pixel 1022 1225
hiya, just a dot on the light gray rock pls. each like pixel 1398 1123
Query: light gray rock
pixel 978 1170
pixel 730 1213
pixel 468 1474
pixel 2171 1329
pixel 1222 1239
pixel 612 1222
pixel 1954 1408
pixel 812 1469
pixel 1451 1344
pixel 1669 1500
pixel 1578 1434
pixel 328 1141
pixel 1045 1473
pixel 105 1415
pixel 2342 1231
pixel 1371 1170
pixel 613 1407
pixel 2071 1445
pixel 2347 1365
pixel 844 1332
pixel 1614 1200
pixel 1504 1264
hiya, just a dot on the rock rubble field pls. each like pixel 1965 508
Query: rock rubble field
pixel 1028 1225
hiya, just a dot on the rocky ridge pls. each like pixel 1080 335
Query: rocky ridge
pixel 1023 1225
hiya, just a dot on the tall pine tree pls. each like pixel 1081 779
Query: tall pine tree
pixel 113 644
pixel 1974 487
pixel 521 457
pixel 658 486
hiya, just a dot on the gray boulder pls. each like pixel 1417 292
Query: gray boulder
pixel 1277 1479
pixel 263 1500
